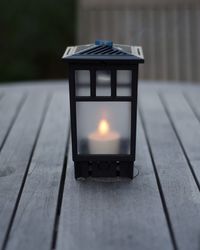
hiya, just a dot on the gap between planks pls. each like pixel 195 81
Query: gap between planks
pixel 192 106
pixel 60 193
pixel 13 119
pixel 163 101
pixel 158 181
pixel 175 176
pixel 47 102
pixel 98 215
pixel 49 166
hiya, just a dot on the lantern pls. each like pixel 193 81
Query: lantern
pixel 103 80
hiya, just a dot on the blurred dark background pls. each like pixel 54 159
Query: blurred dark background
pixel 34 35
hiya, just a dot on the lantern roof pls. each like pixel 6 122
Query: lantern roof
pixel 104 50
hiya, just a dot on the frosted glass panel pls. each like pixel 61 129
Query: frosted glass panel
pixel 82 82
pixel 103 127
pixel 103 83
pixel 124 78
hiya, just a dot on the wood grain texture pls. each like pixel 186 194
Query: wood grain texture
pixel 160 209
pixel 180 191
pixel 193 98
pixel 34 221
pixel 15 156
pixel 1 94
pixel 10 105
pixel 114 215
pixel 187 128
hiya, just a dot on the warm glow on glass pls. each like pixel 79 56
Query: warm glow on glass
pixel 103 127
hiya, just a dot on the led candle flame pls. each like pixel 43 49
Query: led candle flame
pixel 104 140
pixel 103 127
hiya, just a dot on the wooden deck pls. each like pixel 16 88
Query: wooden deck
pixel 43 207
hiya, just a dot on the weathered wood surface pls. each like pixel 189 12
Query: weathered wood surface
pixel 40 193
pixel 43 207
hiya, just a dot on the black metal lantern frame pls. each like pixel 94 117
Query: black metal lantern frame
pixel 103 165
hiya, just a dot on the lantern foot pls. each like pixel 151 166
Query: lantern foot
pixel 85 169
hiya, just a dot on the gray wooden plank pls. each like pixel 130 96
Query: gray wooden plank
pixel 15 156
pixel 34 221
pixel 114 215
pixel 10 105
pixel 34 86
pixel 180 191
pixel 187 128
pixel 193 98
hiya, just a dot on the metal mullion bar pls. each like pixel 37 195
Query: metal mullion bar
pixel 104 99
pixel 93 83
pixel 73 110
pixel 106 157
pixel 134 108
pixel 113 83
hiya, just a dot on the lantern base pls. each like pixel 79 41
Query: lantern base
pixel 104 169
pixel 123 146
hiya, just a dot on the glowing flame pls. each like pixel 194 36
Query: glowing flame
pixel 103 127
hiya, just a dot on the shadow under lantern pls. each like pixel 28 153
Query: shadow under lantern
pixel 103 80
